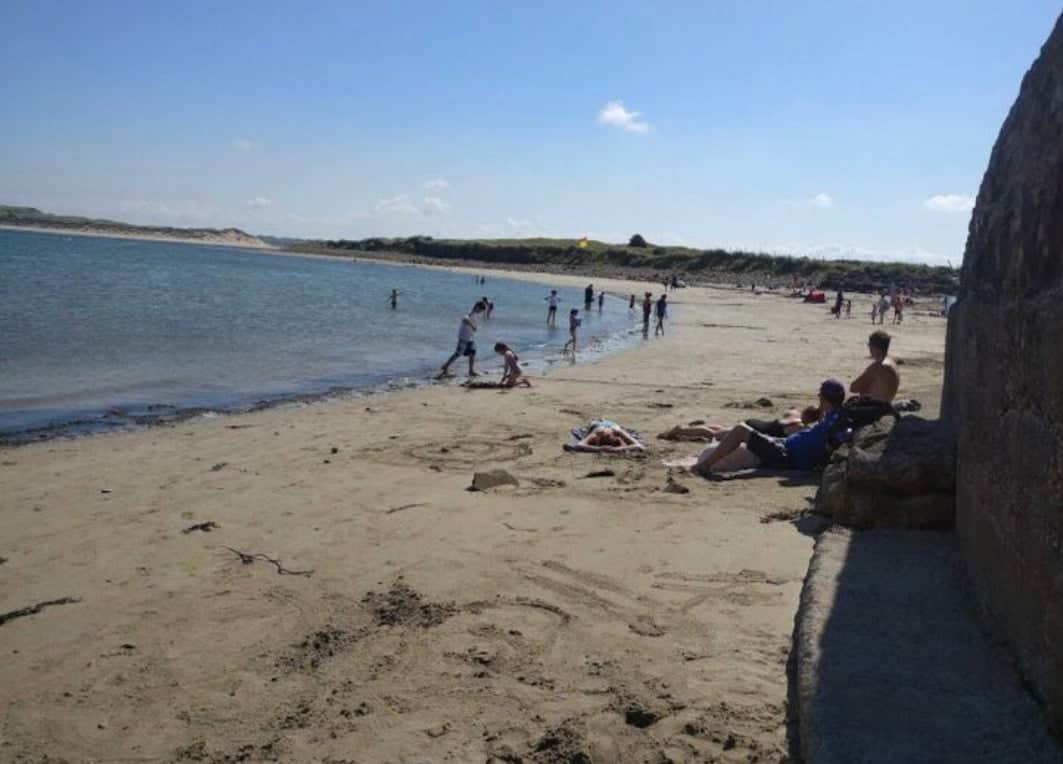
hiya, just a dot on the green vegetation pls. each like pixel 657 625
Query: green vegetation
pixel 658 262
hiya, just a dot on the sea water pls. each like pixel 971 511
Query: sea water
pixel 97 333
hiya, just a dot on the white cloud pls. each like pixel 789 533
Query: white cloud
pixel 244 145
pixel 438 184
pixel 950 203
pixel 823 201
pixel 615 115
pixel 433 205
pixel 519 224
pixel 399 205
pixel 259 202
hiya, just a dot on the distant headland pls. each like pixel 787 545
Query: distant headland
pixel 33 219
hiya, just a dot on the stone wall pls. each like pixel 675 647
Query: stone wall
pixel 1004 383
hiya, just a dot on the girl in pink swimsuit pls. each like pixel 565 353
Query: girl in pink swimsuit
pixel 512 374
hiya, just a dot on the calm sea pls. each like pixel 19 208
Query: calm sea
pixel 102 333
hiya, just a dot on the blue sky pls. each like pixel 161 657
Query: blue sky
pixel 835 128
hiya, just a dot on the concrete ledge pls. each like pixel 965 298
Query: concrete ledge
pixel 891 666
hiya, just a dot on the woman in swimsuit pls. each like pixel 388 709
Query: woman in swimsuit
pixel 609 436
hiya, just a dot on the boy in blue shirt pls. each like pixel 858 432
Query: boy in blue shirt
pixel 804 450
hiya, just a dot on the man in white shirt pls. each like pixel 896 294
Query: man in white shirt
pixel 466 346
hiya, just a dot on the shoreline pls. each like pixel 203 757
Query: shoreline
pixel 133 418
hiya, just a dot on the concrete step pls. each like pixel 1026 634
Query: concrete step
pixel 892 666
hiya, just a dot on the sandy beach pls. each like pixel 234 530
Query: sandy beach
pixel 354 602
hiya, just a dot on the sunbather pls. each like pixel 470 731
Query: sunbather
pixel 789 423
pixel 607 436
pixel 745 448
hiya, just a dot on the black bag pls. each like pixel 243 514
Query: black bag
pixel 859 411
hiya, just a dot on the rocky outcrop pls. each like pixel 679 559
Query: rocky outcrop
pixel 1004 382
pixel 892 476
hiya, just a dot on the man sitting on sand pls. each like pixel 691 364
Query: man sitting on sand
pixel 881 378
pixel 789 423
pixel 466 347
pixel 745 448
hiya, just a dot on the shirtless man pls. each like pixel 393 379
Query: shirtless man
pixel 880 379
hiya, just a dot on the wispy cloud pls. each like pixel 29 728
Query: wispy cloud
pixel 949 203
pixel 243 145
pixel 614 114
pixel 437 184
pixel 433 205
pixel 396 205
pixel 404 205
pixel 822 200
pixel 259 203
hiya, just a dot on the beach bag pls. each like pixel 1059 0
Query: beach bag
pixel 858 411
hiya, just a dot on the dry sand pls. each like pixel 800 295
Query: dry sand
pixel 570 615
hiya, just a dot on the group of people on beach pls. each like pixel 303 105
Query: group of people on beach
pixel 798 440
pixel 512 373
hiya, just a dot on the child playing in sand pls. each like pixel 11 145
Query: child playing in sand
pixel 573 324
pixel 512 374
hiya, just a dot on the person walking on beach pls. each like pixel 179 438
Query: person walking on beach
pixel 573 324
pixel 588 296
pixel 883 306
pixel 647 310
pixel 662 311
pixel 838 302
pixel 393 299
pixel 466 346
pixel 898 309
pixel 848 308
pixel 552 301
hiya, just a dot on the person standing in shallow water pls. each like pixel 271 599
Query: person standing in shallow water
pixel 631 305
pixel 573 325
pixel 601 301
pixel 662 311
pixel 393 299
pixel 647 311
pixel 466 345
pixel 552 301
pixel 588 296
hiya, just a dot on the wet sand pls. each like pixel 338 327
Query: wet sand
pixel 356 603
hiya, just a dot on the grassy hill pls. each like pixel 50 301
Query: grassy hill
pixel 654 262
